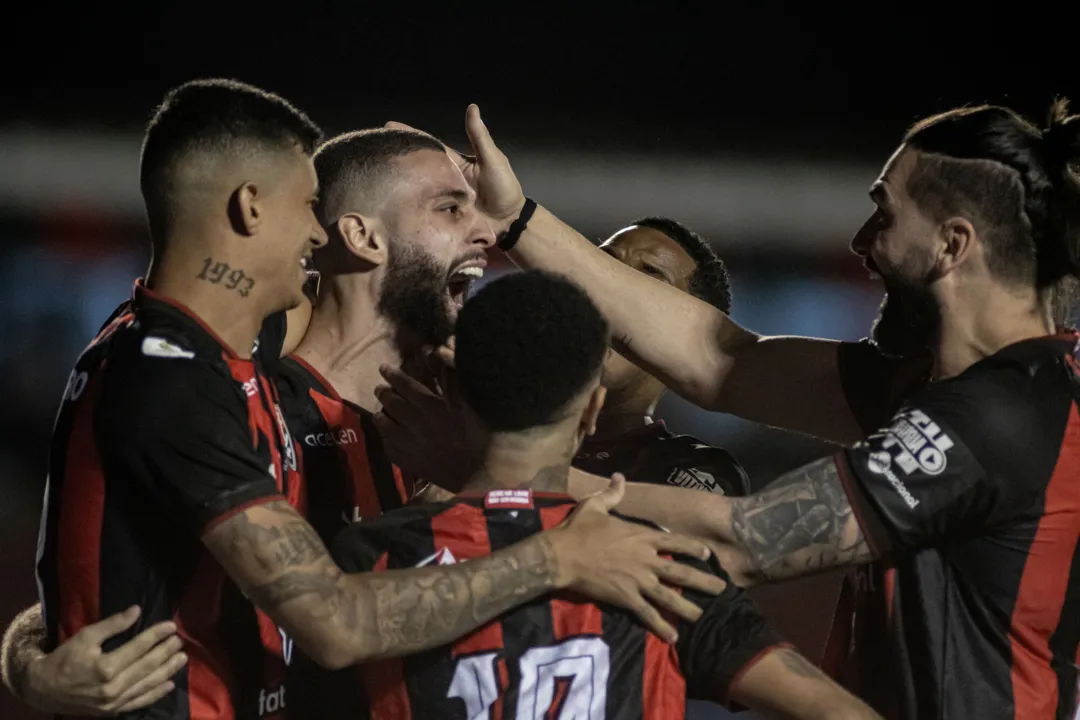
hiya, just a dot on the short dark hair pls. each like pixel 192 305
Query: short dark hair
pixel 526 345
pixel 215 116
pixel 355 161
pixel 1011 179
pixel 710 281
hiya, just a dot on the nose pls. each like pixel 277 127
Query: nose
pixel 481 234
pixel 863 239
pixel 319 238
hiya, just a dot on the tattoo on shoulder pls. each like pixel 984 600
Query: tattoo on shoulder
pixel 800 524
pixel 231 278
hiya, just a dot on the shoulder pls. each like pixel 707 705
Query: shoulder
pixel 407 532
pixel 687 462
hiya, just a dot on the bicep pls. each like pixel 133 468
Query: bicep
pixel 801 524
pixel 792 383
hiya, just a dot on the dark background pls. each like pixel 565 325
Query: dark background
pixel 759 124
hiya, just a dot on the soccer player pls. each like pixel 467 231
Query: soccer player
pixel 626 438
pixel 966 498
pixel 174 483
pixel 530 349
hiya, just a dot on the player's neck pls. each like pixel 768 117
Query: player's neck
pixel 235 319
pixel 979 329
pixel 623 415
pixel 346 341
pixel 525 461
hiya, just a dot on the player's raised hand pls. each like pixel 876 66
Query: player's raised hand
pixel 488 172
pixel 622 563
pixel 80 678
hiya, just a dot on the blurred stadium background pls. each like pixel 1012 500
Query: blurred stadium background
pixel 761 128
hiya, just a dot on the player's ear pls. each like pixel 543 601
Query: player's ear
pixel 245 209
pixel 592 410
pixel 364 237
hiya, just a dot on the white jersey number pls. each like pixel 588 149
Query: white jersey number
pixel 583 663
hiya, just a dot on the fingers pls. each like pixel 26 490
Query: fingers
pixel 607 499
pixel 676 573
pixel 102 630
pixel 482 144
pixel 677 544
pixel 149 675
pixel 148 699
pixel 404 384
pixel 651 618
pixel 395 125
pixel 143 643
pixel 667 599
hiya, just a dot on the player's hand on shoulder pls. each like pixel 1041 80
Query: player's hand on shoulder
pixel 80 678
pixel 620 562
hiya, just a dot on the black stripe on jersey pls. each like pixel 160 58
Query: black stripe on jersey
pixel 47 568
pixel 382 470
pixel 1065 641
pixel 245 657
pixel 626 641
pixel 323 472
pixel 529 626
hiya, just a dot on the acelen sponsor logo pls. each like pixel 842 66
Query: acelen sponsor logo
pixel 338 436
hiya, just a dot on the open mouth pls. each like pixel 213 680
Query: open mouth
pixel 459 284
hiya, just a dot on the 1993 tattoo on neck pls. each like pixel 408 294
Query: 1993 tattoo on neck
pixel 230 278
pixel 800 524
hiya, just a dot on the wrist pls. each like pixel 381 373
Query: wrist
pixel 558 554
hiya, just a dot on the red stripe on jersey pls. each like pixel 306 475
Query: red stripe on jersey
pixel 384 681
pixel 1044 582
pixel 197 624
pixel 663 689
pixel 570 617
pixel 82 511
pixel 345 423
pixel 462 530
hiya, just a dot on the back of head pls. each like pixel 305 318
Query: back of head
pixel 1016 183
pixel 206 126
pixel 352 167
pixel 710 281
pixel 527 345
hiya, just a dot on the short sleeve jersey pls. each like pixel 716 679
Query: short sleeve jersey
pixel 558 656
pixel 971 494
pixel 163 433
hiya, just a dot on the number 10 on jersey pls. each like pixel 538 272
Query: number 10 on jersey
pixel 567 681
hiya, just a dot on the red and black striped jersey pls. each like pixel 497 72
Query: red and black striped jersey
pixel 163 432
pixel 654 455
pixel 560 656
pixel 971 493
pixel 348 475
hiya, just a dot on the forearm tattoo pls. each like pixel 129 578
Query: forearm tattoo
pixel 231 278
pixel 802 523
pixel 22 645
pixel 393 613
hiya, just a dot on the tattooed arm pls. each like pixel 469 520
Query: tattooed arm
pixel 801 523
pixel 340 619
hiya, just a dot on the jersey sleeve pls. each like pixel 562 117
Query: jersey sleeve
pixel 178 430
pixel 935 470
pixel 729 637
pixel 357 549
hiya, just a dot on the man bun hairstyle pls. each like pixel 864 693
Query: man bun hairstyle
pixel 1018 185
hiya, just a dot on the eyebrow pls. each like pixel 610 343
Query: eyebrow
pixel 453 193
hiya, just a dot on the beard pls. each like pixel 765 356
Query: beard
pixel 413 298
pixel 909 321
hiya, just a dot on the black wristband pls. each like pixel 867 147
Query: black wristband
pixel 508 239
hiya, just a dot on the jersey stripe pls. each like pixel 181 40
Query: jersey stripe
pixel 1043 584
pixel 82 512
pixel 387 479
pixel 208 673
pixel 1065 643
pixel 462 531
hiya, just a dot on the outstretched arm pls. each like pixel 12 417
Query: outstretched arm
pixel 800 524
pixel 340 619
